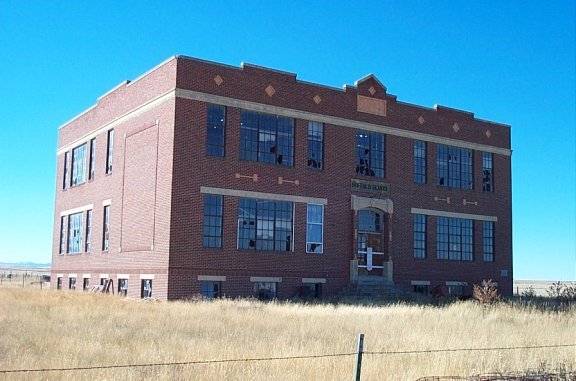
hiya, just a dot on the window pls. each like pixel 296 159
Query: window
pixel 369 221
pixel 454 167
pixel 88 230
pixel 314 228
pixel 66 178
pixel 311 290
pixel 212 220
pixel 454 239
pixel 146 288
pixel 265 290
pixel 62 235
pixel 420 289
pixel 210 290
pixel 419 236
pixel 215 130
pixel 79 165
pixel 92 162
pixel 266 138
pixel 110 151
pixel 370 154
pixel 59 283
pixel 106 230
pixel 86 284
pixel 264 225
pixel 75 233
pixel 122 287
pixel 488 241
pixel 487 172
pixel 72 283
pixel 456 289
pixel 315 145
pixel 419 162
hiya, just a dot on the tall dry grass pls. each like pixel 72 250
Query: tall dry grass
pixel 73 329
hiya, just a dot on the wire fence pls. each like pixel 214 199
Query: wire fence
pixel 332 355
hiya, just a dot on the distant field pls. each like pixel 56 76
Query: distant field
pixel 73 329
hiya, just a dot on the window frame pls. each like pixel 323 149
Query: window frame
pixel 366 227
pixel 123 287
pixel 265 220
pixel 265 290
pixel 310 244
pixel 419 236
pixel 454 239
pixel 75 232
pixel 315 140
pixel 454 167
pixel 216 130
pixel 488 241
pixel 258 130
pixel 207 294
pixel 212 223
pixel 109 151
pixel 487 172
pixel 419 175
pixel 370 150
pixel 78 165
pixel 66 171
pixel 144 292
pixel 106 228
pixel 88 240
pixel 92 160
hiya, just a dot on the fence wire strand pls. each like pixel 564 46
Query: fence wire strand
pixel 201 362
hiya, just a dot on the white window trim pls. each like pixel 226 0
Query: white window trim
pixel 313 280
pixel 212 278
pixel 76 210
pixel 147 276
pixel 420 282
pixel 255 279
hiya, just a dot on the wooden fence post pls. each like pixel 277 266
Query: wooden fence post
pixel 359 358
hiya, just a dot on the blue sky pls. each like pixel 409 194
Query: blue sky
pixel 507 61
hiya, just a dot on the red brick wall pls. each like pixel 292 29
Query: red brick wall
pixel 172 210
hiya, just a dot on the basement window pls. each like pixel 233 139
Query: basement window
pixel 59 283
pixel 86 284
pixel 311 290
pixel 210 290
pixel 420 289
pixel 146 288
pixel 122 287
pixel 72 283
pixel 265 290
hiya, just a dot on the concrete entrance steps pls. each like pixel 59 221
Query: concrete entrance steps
pixel 370 287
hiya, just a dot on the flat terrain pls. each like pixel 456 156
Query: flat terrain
pixel 61 329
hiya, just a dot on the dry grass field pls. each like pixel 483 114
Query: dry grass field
pixel 64 329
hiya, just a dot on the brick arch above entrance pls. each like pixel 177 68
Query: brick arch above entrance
pixel 385 205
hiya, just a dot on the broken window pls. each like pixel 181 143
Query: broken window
pixel 75 233
pixel 212 236
pixel 78 165
pixel 315 145
pixel 420 289
pixel 487 180
pixel 122 287
pixel 311 290
pixel 92 163
pixel 419 162
pixel 266 138
pixel 314 228
pixel 454 167
pixel 210 290
pixel 86 284
pixel 72 283
pixel 146 288
pixel 215 132
pixel 110 151
pixel 419 236
pixel 370 152
pixel 265 290
pixel 88 230
pixel 265 225
pixel 488 241
pixel 66 178
pixel 106 230
pixel 454 239
pixel 62 235
pixel 369 221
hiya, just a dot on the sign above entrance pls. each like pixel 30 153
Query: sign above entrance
pixel 370 187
